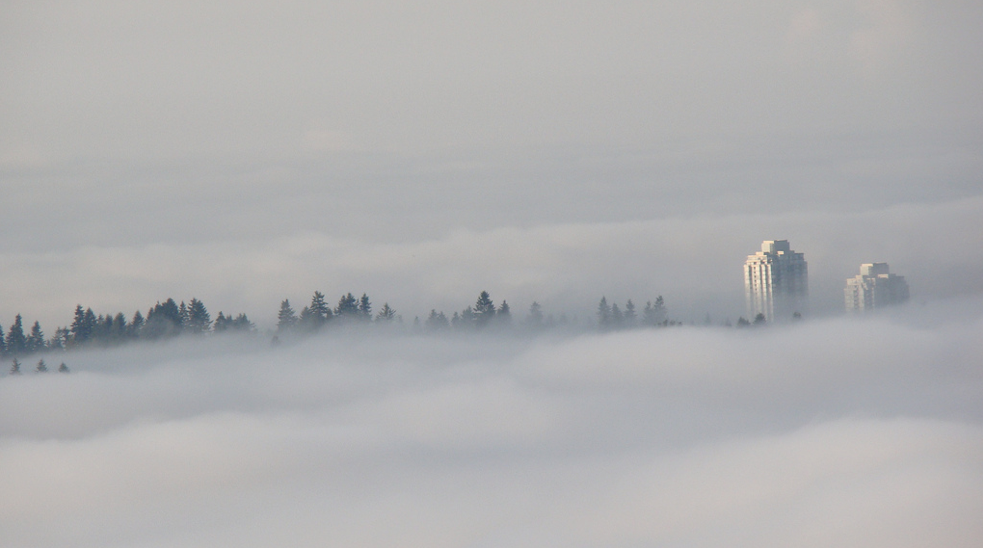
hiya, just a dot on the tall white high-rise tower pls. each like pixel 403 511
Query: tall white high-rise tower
pixel 776 281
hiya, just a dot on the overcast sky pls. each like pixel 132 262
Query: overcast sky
pixel 246 152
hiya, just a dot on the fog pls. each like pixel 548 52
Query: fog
pixel 420 152
pixel 840 432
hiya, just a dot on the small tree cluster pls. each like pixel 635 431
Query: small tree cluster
pixel 349 310
pixel 163 320
pixel 612 317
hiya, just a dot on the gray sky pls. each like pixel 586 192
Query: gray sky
pixel 245 152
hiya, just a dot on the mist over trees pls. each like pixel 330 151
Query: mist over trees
pixel 164 320
pixel 169 319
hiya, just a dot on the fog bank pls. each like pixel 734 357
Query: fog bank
pixel 840 432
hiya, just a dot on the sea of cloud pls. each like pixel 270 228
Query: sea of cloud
pixel 840 432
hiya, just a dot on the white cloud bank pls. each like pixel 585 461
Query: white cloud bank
pixel 840 433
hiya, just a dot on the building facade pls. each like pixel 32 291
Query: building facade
pixel 875 287
pixel 776 282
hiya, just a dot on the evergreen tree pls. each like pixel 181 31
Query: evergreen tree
pixel 504 315
pixel 90 325
pixel 617 318
pixel 654 313
pixel 42 367
pixel 79 333
pixel 242 323
pixel 286 318
pixel 3 343
pixel 456 321
pixel 35 341
pixel 136 326
pixel 603 314
pixel 63 368
pixel 364 308
pixel 437 321
pixel 319 307
pixel 82 325
pixel 121 330
pixel 221 323
pixel 630 317
pixel 386 314
pixel 307 319
pixel 199 320
pixel 317 314
pixel 16 341
pixel 484 310
pixel 758 320
pixel 183 312
pixel 61 339
pixel 347 306
pixel 15 367
pixel 104 328
pixel 467 318
pixel 163 320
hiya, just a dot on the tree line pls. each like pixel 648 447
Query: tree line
pixel 170 319
pixel 612 317
pixel 163 320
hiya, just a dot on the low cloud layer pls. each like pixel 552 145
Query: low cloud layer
pixel 847 433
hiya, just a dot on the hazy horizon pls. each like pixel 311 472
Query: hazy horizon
pixel 243 153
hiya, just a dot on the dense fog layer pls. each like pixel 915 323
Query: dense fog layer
pixel 825 433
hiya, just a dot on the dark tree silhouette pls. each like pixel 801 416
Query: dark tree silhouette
pixel 504 315
pixel 437 321
pixel 386 314
pixel 242 323
pixel 35 341
pixel 42 367
pixel 654 313
pixel 630 316
pixel 347 306
pixel 484 310
pixel 285 319
pixel 319 307
pixel 316 315
pixel 199 321
pixel 603 314
pixel 364 308
pixel 136 325
pixel 617 318
pixel 164 320
pixel 16 341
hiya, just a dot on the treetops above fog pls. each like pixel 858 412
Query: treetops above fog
pixel 169 319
